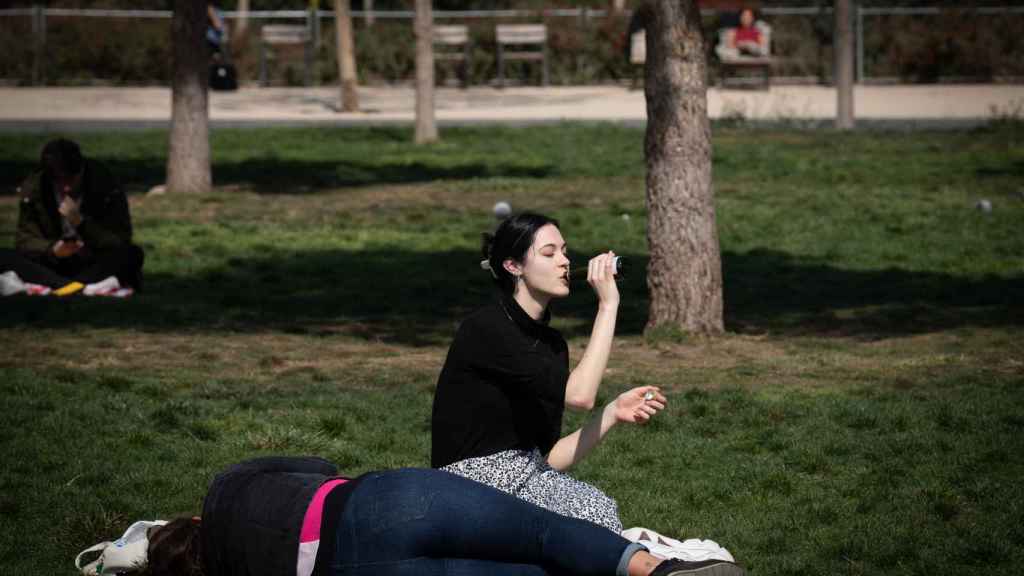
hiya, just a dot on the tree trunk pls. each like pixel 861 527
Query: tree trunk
pixel 240 32
pixel 844 65
pixel 426 128
pixel 188 160
pixel 346 55
pixel 617 6
pixel 684 275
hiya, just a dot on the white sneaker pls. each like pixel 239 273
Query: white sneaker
pixel 11 284
pixel 106 286
pixel 693 550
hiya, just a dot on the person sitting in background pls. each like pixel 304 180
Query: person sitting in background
pixel 74 230
pixel 747 38
pixel 216 31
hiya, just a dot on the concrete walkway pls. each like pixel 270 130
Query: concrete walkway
pixel 116 107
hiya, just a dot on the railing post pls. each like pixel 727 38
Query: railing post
pixel 38 45
pixel 860 43
pixel 584 27
pixel 311 43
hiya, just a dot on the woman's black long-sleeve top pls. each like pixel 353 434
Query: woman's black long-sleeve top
pixel 502 386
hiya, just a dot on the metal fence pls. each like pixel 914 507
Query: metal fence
pixel 313 19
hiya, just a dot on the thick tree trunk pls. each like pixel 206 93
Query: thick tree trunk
pixel 426 128
pixel 844 65
pixel 346 55
pixel 188 160
pixel 685 271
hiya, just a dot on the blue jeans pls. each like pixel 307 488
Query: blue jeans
pixel 431 523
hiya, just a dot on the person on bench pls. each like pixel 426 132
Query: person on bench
pixel 273 516
pixel 747 38
pixel 74 230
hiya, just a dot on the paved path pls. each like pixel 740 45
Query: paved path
pixel 75 108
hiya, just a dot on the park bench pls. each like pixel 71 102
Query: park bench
pixel 451 44
pixel 730 59
pixel 529 42
pixel 273 36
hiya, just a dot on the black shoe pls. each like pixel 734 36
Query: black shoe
pixel 702 568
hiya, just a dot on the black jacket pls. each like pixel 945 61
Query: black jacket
pixel 253 513
pixel 106 222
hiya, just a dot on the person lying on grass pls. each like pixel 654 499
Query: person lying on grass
pixel 277 516
pixel 500 398
pixel 74 230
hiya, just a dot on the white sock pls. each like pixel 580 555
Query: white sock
pixel 109 284
pixel 37 289
pixel 10 283
pixel 120 293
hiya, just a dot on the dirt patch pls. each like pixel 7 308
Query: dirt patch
pixel 252 356
pixel 340 354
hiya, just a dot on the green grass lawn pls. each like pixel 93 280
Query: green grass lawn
pixel 863 414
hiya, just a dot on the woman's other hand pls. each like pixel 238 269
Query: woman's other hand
pixel 601 277
pixel 638 405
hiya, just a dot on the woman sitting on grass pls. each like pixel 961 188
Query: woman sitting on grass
pixel 281 516
pixel 497 414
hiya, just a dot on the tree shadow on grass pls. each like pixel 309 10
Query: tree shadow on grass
pixel 276 176
pixel 771 291
pixel 416 299
pixel 303 160
pixel 280 176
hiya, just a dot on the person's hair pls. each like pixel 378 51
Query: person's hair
pixel 175 549
pixel 512 239
pixel 61 156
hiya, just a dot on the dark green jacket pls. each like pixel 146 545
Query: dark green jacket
pixel 106 222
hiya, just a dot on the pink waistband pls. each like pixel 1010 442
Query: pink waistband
pixel 314 514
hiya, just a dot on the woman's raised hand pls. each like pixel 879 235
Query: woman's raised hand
pixel 601 277
pixel 638 405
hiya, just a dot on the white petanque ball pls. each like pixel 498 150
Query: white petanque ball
pixel 502 210
pixel 984 205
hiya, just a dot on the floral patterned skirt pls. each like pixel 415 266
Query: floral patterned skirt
pixel 526 475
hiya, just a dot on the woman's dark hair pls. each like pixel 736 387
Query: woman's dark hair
pixel 175 549
pixel 61 156
pixel 512 239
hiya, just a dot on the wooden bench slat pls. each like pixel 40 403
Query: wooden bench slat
pixel 284 34
pixel 521 33
pixel 451 35
pixel 751 61
pixel 523 55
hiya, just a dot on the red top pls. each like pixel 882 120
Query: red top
pixel 751 34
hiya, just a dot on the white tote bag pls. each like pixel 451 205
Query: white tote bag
pixel 129 552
